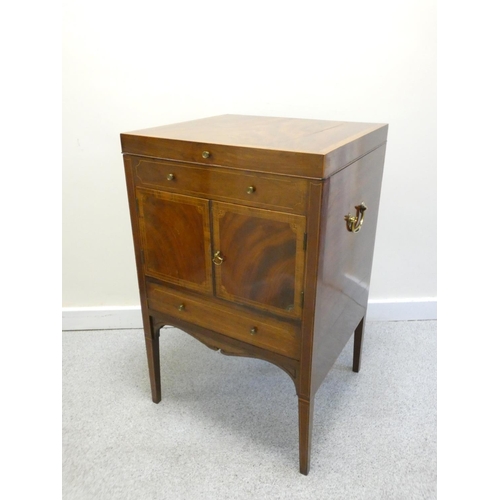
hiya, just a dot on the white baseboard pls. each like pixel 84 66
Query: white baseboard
pixel 118 317
pixel 402 310
pixel 101 318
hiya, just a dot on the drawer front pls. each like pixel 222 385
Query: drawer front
pixel 268 333
pixel 276 192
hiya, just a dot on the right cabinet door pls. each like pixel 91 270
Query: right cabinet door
pixel 259 257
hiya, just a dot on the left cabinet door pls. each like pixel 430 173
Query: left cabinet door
pixel 175 238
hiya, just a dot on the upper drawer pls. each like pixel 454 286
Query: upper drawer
pixel 276 192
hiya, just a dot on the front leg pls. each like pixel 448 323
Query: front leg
pixel 306 409
pixel 152 337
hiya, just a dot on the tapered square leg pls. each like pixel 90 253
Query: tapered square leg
pixel 358 345
pixel 306 409
pixel 152 337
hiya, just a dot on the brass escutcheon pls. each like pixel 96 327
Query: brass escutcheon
pixel 354 222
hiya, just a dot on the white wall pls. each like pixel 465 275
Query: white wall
pixel 131 65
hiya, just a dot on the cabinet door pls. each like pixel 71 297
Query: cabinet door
pixel 175 238
pixel 261 257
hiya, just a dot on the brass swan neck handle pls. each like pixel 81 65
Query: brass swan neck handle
pixel 354 222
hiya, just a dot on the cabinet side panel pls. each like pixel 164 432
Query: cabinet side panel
pixel 345 259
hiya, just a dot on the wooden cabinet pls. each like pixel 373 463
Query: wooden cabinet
pixel 255 235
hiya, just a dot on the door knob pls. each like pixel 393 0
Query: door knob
pixel 218 258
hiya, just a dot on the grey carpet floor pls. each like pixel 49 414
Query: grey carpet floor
pixel 227 427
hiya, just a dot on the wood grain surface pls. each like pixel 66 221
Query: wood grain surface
pixel 175 236
pixel 273 192
pixel 289 146
pixel 263 257
pixel 276 335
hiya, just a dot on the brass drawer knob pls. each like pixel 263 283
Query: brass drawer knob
pixel 354 222
pixel 253 330
pixel 170 177
pixel 181 307
pixel 206 154
pixel 250 189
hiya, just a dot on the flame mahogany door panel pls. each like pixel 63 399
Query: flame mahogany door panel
pixel 261 260
pixel 175 237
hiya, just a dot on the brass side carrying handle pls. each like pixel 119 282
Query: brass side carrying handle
pixel 354 222
pixel 218 258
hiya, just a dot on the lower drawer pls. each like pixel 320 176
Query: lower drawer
pixel 261 331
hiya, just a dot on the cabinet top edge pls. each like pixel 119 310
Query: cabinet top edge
pixel 317 147
pixel 299 135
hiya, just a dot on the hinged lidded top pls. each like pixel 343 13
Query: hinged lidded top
pixel 288 146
